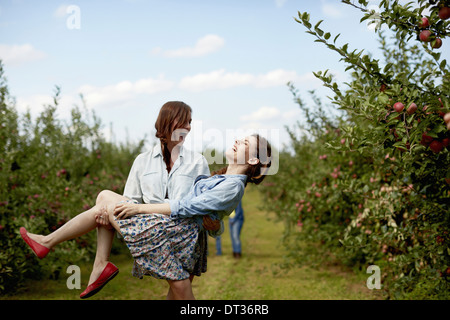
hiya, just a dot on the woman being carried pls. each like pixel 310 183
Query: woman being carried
pixel 162 237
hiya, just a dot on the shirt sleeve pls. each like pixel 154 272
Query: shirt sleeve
pixel 219 232
pixel 204 170
pixel 223 197
pixel 133 185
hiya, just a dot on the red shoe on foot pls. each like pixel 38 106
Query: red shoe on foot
pixel 107 274
pixel 37 248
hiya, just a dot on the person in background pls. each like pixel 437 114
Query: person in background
pixel 219 244
pixel 236 221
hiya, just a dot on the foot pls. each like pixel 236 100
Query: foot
pixel 237 255
pixel 39 239
pixel 35 242
pixel 97 271
pixel 108 273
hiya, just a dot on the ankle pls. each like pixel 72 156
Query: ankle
pixel 42 240
pixel 100 263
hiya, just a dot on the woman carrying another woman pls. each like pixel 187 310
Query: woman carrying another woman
pixel 165 172
pixel 162 237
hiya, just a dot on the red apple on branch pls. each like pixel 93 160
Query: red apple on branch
pixel 425 35
pixel 446 142
pixel 426 139
pixel 436 146
pixel 398 106
pixel 444 13
pixel 424 23
pixel 436 44
pixel 412 108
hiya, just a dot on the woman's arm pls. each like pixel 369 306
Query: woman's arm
pixel 224 198
pixel 126 210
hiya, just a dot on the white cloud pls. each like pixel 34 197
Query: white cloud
pixel 19 54
pixel 262 114
pixel 61 11
pixel 275 78
pixel 280 3
pixel 35 104
pixel 204 46
pixel 292 114
pixel 331 10
pixel 270 116
pixel 221 79
pixel 122 91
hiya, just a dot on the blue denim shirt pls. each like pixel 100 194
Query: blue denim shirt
pixel 216 196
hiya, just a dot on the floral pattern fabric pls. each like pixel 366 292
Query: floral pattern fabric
pixel 162 247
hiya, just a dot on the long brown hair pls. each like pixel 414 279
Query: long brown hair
pixel 173 115
pixel 256 173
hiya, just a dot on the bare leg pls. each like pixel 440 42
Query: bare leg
pixel 74 228
pixel 80 224
pixel 181 289
pixel 105 236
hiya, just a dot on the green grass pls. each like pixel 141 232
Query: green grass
pixel 257 275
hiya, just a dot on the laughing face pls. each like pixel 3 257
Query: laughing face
pixel 243 151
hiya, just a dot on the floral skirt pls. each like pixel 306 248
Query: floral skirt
pixel 162 247
pixel 201 254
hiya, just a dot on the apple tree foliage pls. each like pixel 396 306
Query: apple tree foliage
pixel 371 186
pixel 50 171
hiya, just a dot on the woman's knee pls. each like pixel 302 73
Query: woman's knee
pixel 180 288
pixel 107 196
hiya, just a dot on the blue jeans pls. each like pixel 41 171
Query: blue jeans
pixel 218 246
pixel 235 233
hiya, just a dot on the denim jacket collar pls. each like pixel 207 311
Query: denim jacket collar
pixel 157 151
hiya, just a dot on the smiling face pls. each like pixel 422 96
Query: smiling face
pixel 243 151
pixel 179 134
pixel 173 123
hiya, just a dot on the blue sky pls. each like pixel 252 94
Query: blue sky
pixel 229 60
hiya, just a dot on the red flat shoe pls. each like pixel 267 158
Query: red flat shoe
pixel 37 248
pixel 107 274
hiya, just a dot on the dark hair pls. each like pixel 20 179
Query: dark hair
pixel 173 115
pixel 256 173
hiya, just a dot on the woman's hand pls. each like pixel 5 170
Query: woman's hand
pixel 210 224
pixel 125 210
pixel 102 218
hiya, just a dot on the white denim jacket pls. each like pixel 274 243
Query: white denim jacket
pixel 149 181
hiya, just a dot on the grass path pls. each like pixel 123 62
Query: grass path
pixel 255 276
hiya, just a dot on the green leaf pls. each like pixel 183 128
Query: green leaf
pixel 387 67
pixel 334 41
pixel 317 24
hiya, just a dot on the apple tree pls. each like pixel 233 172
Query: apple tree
pixel 50 171
pixel 375 182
